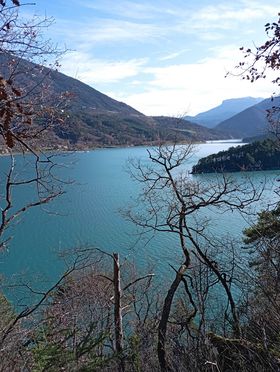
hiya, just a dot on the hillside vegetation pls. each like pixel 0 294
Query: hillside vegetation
pixel 260 155
pixel 92 119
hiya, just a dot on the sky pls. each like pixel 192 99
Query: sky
pixel 161 57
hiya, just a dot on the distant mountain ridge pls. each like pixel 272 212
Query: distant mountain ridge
pixel 225 110
pixel 251 122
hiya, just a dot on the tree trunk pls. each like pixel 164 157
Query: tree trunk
pixel 165 316
pixel 118 310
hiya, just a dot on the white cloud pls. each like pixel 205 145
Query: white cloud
pixel 174 55
pixel 92 71
pixel 127 9
pixel 134 21
pixel 114 30
pixel 130 21
pixel 228 12
pixel 212 22
pixel 88 33
pixel 193 88
pixel 246 11
pixel 177 88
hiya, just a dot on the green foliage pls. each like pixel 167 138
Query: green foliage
pixel 263 306
pixel 267 226
pixel 52 350
pixel 134 354
pixel 257 156
pixel 6 312
pixel 50 357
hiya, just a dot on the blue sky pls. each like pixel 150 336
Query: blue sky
pixel 161 57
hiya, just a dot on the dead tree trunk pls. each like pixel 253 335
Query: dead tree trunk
pixel 118 310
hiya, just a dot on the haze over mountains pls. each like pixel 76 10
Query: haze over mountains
pixel 247 123
pixel 250 122
pixel 225 110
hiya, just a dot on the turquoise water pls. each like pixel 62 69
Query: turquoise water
pixel 88 214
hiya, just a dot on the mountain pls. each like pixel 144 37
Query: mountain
pixel 97 120
pixel 84 96
pixel 93 119
pixel 227 109
pixel 193 131
pixel 250 122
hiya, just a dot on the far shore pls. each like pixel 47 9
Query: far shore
pixel 69 149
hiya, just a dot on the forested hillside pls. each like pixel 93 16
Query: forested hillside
pixel 89 118
pixel 257 156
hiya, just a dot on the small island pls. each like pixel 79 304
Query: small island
pixel 256 156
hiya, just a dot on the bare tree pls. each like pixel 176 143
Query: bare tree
pixel 84 319
pixel 262 61
pixel 28 108
pixel 173 203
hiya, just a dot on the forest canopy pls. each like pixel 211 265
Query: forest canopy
pixel 257 156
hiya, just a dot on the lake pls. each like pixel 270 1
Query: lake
pixel 88 214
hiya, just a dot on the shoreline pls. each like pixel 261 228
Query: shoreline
pixel 66 149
